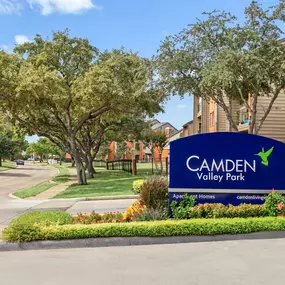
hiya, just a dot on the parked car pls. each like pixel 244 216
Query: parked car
pixel 31 159
pixel 20 162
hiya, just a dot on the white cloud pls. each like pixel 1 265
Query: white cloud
pixel 10 7
pixel 6 48
pixel 21 39
pixel 62 6
pixel 181 106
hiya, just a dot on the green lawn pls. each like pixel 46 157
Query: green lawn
pixel 7 165
pixel 146 169
pixel 108 183
pixel 105 183
pixel 63 175
pixel 34 191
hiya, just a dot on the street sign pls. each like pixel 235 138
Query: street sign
pixel 228 168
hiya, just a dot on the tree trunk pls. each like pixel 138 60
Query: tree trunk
pixel 89 165
pixel 41 158
pixel 72 161
pixel 81 176
pixel 161 163
pixel 252 121
pixel 0 161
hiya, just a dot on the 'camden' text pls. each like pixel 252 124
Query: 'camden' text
pixel 219 170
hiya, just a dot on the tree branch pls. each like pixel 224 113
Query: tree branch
pixel 92 114
pixel 220 101
pixel 243 99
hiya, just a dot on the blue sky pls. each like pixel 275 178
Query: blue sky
pixel 135 24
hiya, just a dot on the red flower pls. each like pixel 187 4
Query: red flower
pixel 273 190
pixel 280 206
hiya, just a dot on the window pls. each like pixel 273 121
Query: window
pixel 200 128
pixel 228 129
pixel 243 116
pixel 212 120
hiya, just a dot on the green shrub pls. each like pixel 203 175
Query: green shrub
pixel 274 203
pixel 137 185
pixel 154 192
pixel 186 210
pixel 203 211
pixel 194 227
pixel 27 226
pixel 152 215
pixel 230 211
pixel 183 209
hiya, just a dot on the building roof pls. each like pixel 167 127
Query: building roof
pixel 174 137
pixel 157 125
pixel 188 123
pixel 161 124
pixel 155 121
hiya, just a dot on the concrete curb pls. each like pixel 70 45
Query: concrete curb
pixel 133 241
pixel 123 197
pixel 11 195
pixel 100 198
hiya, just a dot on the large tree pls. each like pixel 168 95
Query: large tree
pixel 224 60
pixel 110 129
pixel 58 86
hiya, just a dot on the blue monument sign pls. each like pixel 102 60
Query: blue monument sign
pixel 228 168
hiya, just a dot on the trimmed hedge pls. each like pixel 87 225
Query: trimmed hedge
pixel 26 232
pixel 221 211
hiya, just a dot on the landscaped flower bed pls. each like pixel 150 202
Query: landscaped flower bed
pixel 149 217
pixel 95 218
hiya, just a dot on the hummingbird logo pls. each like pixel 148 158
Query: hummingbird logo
pixel 265 155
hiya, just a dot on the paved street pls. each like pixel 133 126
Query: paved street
pixel 24 176
pixel 259 262
pixel 16 179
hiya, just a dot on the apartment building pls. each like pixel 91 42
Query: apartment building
pixel 187 129
pixel 142 152
pixel 209 117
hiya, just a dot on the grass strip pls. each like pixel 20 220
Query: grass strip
pixel 34 191
pixel 63 175
pixel 7 165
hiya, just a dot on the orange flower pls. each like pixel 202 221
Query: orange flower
pixel 280 206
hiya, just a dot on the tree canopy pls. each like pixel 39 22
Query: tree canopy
pixel 221 59
pixel 57 87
